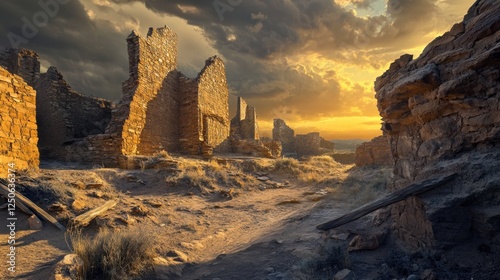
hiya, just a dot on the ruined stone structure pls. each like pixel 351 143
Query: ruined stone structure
pixel 441 114
pixel 302 144
pixel 161 109
pixel 63 114
pixel 244 133
pixel 18 128
pixel 244 124
pixel 284 134
pixel 22 62
pixel 375 152
pixel 205 110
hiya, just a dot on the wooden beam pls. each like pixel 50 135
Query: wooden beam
pixel 412 190
pixel 85 218
pixel 21 199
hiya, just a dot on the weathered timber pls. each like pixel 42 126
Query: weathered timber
pixel 21 199
pixel 412 190
pixel 85 218
pixel 4 192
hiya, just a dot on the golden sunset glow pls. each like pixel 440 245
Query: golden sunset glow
pixel 312 64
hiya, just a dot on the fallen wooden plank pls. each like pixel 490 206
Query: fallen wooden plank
pixel 412 190
pixel 5 193
pixel 21 199
pixel 85 218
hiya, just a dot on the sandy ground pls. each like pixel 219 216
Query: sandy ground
pixel 263 230
pixel 258 232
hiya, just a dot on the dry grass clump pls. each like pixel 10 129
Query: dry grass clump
pixel 362 185
pixel 209 177
pixel 287 165
pixel 113 255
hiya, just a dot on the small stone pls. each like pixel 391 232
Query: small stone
pixel 78 184
pixel 57 207
pixel 428 274
pixel 125 218
pixel 345 274
pixel 97 194
pixel 35 223
pixel 178 256
pixel 263 178
pixel 367 242
pixel 94 186
pixel 132 178
pixel 78 205
pixel 140 210
pixel 412 277
pixel 70 267
pixel 415 267
pixel 164 269
pixel 269 270
pixel 341 236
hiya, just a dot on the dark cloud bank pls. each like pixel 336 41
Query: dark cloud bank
pixel 254 36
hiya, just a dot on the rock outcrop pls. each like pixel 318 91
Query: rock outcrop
pixel 441 114
pixel 375 152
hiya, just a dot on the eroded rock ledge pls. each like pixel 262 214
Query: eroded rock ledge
pixel 441 113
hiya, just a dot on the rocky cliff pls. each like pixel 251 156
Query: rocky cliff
pixel 441 113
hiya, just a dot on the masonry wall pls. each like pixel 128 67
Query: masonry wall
pixel 64 115
pixel 147 117
pixel 308 144
pixel 18 128
pixel 213 104
pixel 22 62
pixel 244 124
pixel 284 134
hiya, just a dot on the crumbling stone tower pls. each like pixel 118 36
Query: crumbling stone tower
pixel 146 120
pixel 244 124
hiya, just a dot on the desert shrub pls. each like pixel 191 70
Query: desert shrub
pixel 256 165
pixel 112 255
pixel 287 165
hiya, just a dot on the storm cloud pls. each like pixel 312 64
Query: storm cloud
pixel 293 58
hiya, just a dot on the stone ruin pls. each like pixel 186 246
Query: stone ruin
pixel 147 120
pixel 302 144
pixel 244 133
pixel 377 152
pixel 18 129
pixel 441 115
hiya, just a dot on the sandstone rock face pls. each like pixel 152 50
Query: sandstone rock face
pixel 375 152
pixel 18 127
pixel 441 113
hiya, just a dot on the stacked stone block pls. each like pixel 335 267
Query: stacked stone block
pixel 18 127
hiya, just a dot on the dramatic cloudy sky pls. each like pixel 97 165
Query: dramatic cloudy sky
pixel 310 62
